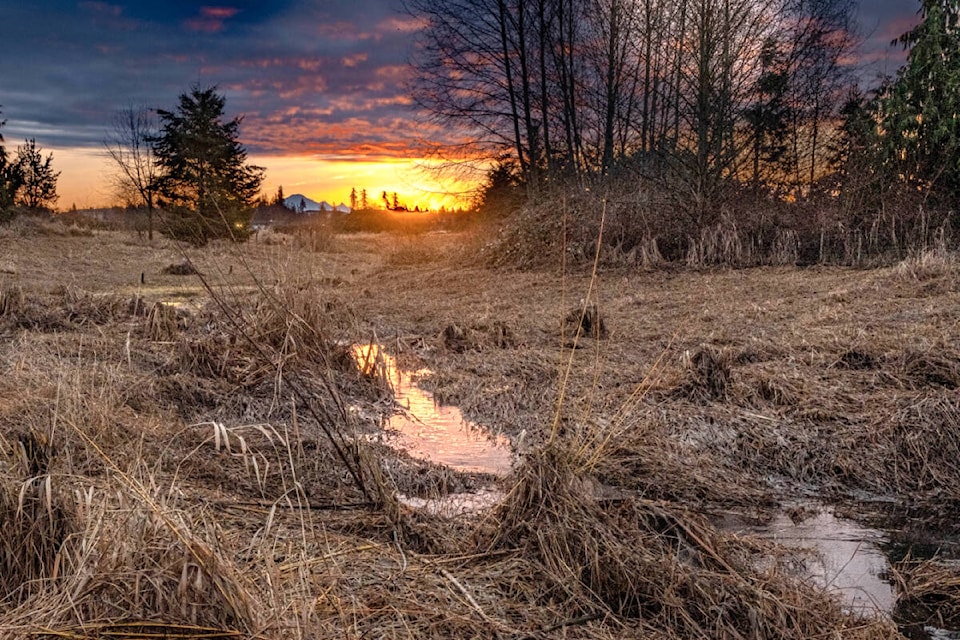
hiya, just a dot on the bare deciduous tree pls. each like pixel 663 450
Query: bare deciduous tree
pixel 128 145
pixel 583 87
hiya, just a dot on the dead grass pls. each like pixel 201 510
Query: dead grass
pixel 170 480
pixel 601 552
pixel 409 252
pixel 929 592
pixel 927 265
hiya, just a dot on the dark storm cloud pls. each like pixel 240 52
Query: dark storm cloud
pixel 311 76
pixel 302 72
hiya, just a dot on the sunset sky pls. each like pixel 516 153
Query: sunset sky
pixel 320 84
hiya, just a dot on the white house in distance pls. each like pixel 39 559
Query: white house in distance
pixel 302 204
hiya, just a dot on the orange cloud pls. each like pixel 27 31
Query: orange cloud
pixel 211 19
pixel 354 60
pixel 404 25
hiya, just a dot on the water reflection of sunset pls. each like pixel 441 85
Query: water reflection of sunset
pixel 428 430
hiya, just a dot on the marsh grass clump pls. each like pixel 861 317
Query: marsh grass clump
pixel 64 308
pixel 929 264
pixel 600 551
pixel 295 323
pixel 124 562
pixel 778 391
pixel 923 446
pixel 162 323
pixel 280 330
pixel 38 519
pixel 167 568
pixel 933 367
pixel 928 593
pixel 80 308
pixel 185 268
pixel 722 244
pixel 706 374
pixel 584 321
pixel 457 338
pixel 12 301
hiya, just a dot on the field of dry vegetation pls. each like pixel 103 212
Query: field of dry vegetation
pixel 183 450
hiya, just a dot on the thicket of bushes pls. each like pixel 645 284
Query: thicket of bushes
pixel 648 226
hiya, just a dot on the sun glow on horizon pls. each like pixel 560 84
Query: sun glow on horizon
pixel 87 180
pixel 332 179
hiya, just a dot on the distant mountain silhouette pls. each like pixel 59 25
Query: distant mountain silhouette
pixel 303 204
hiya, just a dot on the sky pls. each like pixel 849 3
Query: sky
pixel 320 85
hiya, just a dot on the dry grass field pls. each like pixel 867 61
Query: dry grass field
pixel 185 455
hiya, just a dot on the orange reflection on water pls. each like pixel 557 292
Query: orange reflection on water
pixel 431 431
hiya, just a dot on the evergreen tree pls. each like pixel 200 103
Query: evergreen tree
pixel 9 178
pixel 501 192
pixel 363 199
pixel 920 113
pixel 767 117
pixel 205 184
pixel 280 199
pixel 36 177
pixel 857 156
pixel 353 198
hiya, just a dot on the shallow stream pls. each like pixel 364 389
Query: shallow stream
pixel 841 556
pixel 430 431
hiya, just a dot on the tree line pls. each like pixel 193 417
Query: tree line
pixel 187 162
pixel 704 101
pixel 572 88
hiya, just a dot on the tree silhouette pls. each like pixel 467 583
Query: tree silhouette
pixel 205 184
pixel 128 145
pixel 9 177
pixel 38 180
pixel 767 117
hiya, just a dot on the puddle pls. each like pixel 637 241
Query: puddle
pixel 845 558
pixel 430 431
pixel 851 561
